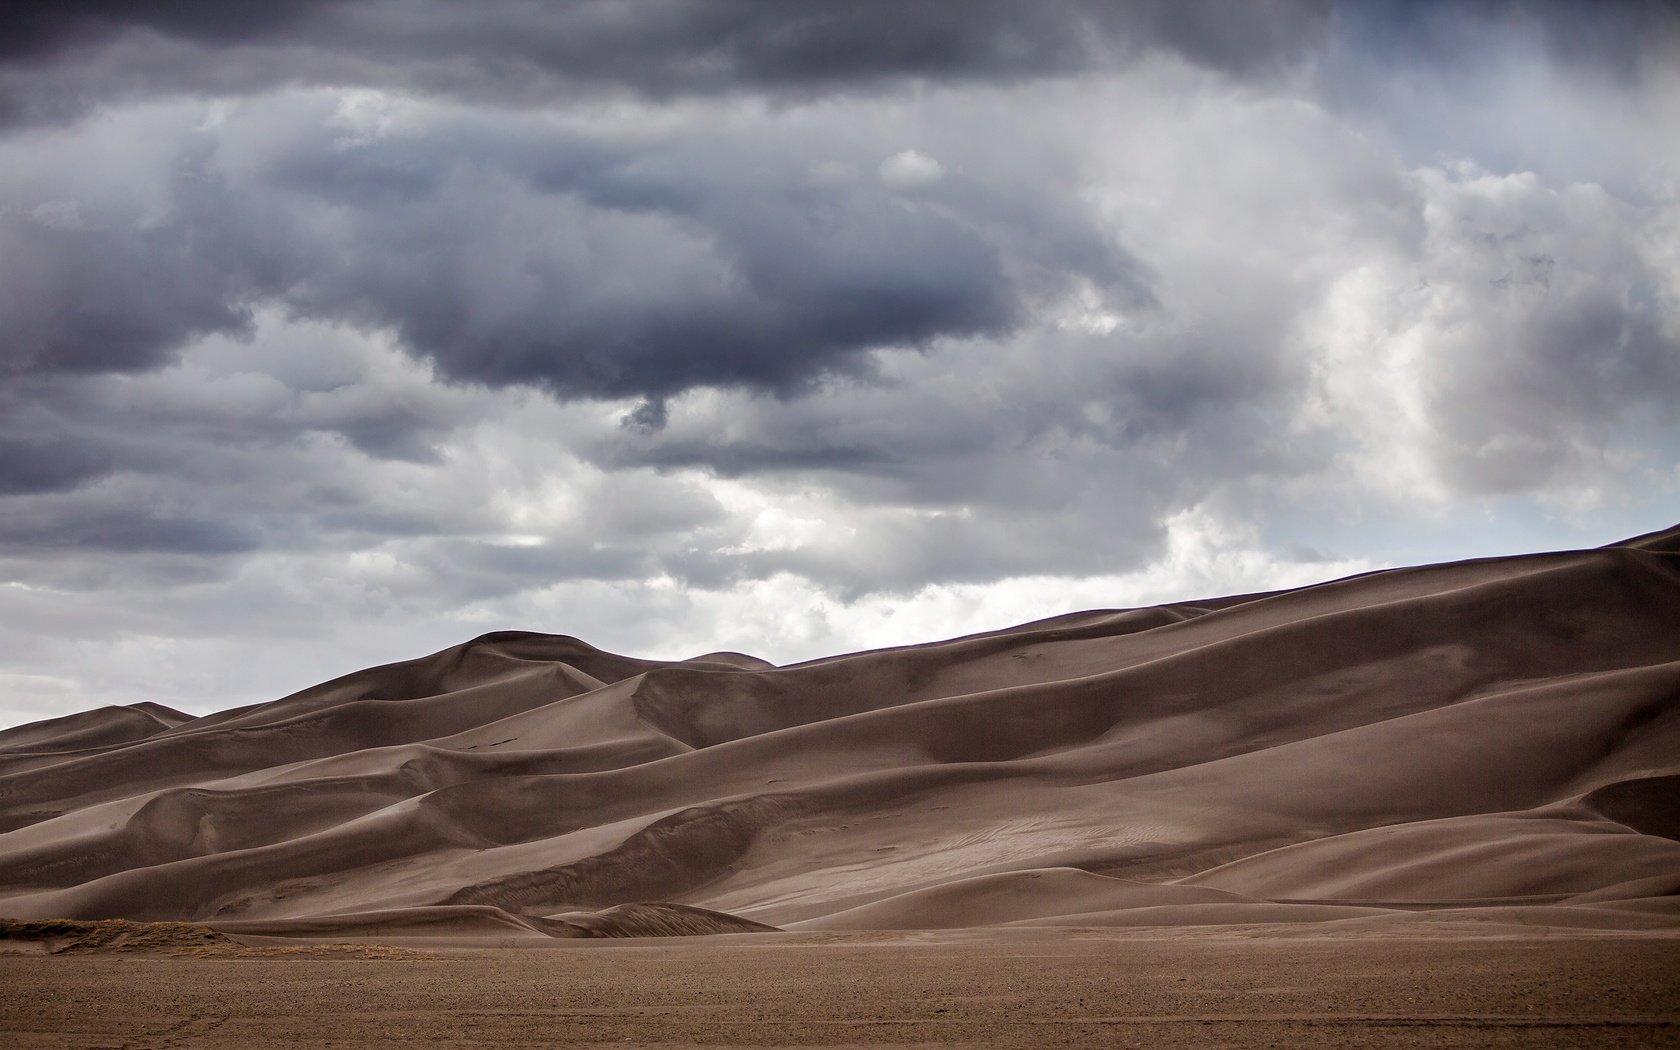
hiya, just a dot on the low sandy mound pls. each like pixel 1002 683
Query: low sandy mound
pixel 60 936
pixel 649 920
pixel 1458 859
pixel 1013 897
pixel 1229 913
pixel 1495 734
pixel 441 924
pixel 482 924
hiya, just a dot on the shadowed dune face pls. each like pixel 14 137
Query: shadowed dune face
pixel 1497 737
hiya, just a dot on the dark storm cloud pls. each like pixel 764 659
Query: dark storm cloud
pixel 212 461
pixel 398 435
pixel 642 281
pixel 498 50
pixel 30 529
pixel 746 458
pixel 704 274
pixel 33 30
pixel 88 294
pixel 49 463
pixel 509 254
pixel 660 48
pixel 697 281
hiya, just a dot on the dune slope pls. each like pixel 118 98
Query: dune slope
pixel 1490 735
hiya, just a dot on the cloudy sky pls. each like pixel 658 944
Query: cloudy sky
pixel 339 331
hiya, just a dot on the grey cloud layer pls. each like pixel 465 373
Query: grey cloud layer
pixel 775 256
pixel 509 51
pixel 66 57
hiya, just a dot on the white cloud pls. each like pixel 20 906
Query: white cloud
pixel 909 170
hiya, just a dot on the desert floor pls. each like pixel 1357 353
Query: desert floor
pixel 1029 988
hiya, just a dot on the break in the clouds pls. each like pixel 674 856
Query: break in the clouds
pixel 337 332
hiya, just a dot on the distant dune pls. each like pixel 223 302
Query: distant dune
pixel 1493 740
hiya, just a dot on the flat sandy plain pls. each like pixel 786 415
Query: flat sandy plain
pixel 1264 986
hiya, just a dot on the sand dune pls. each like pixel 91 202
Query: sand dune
pixel 1496 737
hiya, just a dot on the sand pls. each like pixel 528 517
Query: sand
pixel 1027 988
pixel 1439 752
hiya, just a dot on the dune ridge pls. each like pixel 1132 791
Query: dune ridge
pixel 1491 737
